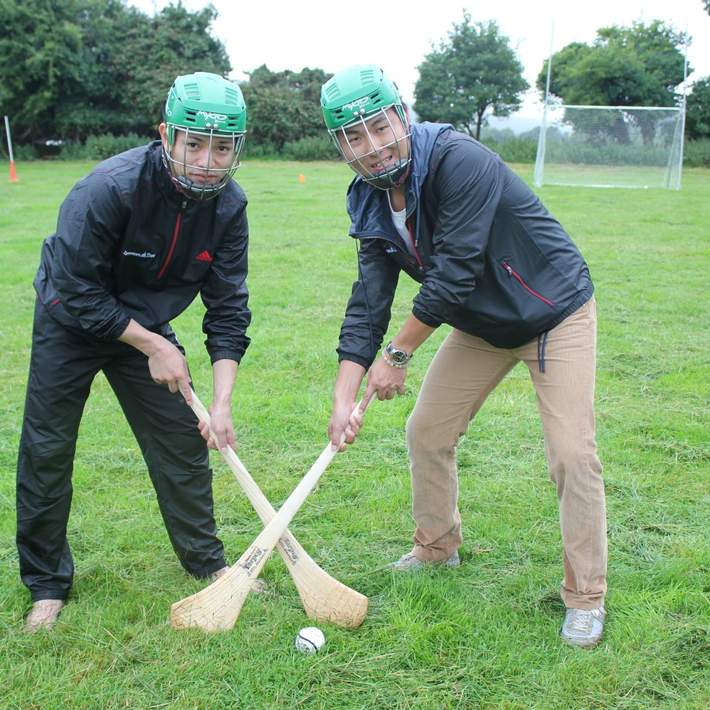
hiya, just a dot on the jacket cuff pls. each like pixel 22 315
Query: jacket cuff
pixel 235 355
pixel 116 331
pixel 426 318
pixel 356 359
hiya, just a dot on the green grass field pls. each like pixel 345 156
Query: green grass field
pixel 632 176
pixel 481 636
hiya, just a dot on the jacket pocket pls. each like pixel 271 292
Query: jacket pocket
pixel 195 271
pixel 512 273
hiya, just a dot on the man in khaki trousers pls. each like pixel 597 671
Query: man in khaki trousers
pixel 495 265
pixel 464 371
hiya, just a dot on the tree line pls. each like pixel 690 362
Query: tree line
pixel 78 68
pixel 72 68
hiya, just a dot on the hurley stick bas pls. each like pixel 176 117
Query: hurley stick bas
pixel 324 598
pixel 217 607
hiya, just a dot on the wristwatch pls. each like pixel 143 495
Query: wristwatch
pixel 395 357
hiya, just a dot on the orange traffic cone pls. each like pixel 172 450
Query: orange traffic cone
pixel 301 178
pixel 13 172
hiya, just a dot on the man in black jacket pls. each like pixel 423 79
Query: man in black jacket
pixel 136 240
pixel 494 264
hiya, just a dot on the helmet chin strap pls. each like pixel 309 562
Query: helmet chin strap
pixel 195 190
pixel 389 178
pixel 392 178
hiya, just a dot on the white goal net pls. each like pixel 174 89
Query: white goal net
pixel 610 146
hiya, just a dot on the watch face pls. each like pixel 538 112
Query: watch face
pixel 398 356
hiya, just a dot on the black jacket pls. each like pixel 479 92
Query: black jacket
pixel 492 261
pixel 129 245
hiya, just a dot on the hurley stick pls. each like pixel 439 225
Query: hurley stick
pixel 323 597
pixel 217 607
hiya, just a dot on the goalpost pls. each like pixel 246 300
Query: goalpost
pixel 610 146
pixel 13 172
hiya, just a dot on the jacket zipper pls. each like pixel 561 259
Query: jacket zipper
pixel 414 244
pixel 171 250
pixel 512 272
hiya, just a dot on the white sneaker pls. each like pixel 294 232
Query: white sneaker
pixel 411 563
pixel 583 627
pixel 43 615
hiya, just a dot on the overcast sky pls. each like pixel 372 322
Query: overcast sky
pixel 333 35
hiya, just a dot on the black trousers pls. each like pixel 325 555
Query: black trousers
pixel 63 365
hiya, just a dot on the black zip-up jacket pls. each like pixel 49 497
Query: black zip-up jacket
pixel 129 245
pixel 491 260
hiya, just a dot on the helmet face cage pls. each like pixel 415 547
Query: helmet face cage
pixel 215 173
pixel 390 175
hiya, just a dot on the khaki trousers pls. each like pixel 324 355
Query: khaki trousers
pixel 462 374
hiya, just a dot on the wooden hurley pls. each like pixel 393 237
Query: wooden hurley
pixel 217 607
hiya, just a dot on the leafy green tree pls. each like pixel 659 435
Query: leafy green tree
pixel 697 118
pixel 98 102
pixel 71 68
pixel 474 73
pixel 283 106
pixel 639 65
pixel 173 42
pixel 39 61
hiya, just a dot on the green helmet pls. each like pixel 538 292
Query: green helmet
pixel 352 100
pixel 206 121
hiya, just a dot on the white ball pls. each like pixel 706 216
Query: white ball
pixel 309 640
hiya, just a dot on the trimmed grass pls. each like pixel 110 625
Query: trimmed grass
pixel 632 176
pixel 484 635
